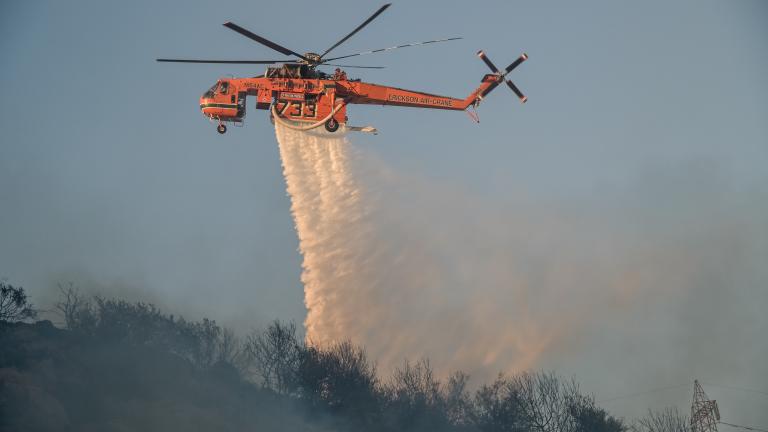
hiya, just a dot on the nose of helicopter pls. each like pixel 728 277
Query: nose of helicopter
pixel 206 106
pixel 218 109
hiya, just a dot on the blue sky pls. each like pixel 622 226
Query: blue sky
pixel 110 177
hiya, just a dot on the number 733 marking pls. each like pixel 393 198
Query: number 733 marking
pixel 303 109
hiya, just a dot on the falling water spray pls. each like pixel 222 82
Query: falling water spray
pixel 371 275
pixel 410 267
pixel 330 222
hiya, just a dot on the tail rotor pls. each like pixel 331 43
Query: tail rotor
pixel 502 75
pixel 523 98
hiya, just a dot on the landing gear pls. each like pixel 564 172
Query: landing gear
pixel 331 125
pixel 222 129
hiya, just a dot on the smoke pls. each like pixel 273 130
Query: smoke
pixel 624 289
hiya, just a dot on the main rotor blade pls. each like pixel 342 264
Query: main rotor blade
pixel 365 23
pixel 394 47
pixel 220 61
pixel 263 41
pixel 517 91
pixel 356 67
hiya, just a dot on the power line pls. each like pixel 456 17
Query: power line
pixel 737 388
pixel 742 427
pixel 644 392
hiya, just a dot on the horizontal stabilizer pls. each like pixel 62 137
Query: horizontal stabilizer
pixel 366 129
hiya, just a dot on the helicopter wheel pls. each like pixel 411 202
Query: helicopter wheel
pixel 332 125
pixel 222 129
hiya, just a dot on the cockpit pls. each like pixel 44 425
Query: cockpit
pixel 221 87
pixel 224 103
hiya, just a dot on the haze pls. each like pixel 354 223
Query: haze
pixel 627 199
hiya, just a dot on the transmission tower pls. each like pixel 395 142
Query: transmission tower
pixel 704 412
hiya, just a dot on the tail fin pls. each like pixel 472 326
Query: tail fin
pixel 492 80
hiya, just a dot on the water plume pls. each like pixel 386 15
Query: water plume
pixel 329 222
pixel 373 274
pixel 410 268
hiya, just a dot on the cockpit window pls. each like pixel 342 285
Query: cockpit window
pixel 224 88
pixel 209 93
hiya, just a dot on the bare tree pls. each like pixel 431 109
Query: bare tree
pixel 588 417
pixel 228 346
pixel 341 380
pixel 458 404
pixel 497 407
pixel 207 335
pixel 14 304
pixel 415 398
pixel 545 400
pixel 669 420
pixel 416 385
pixel 74 307
pixel 275 354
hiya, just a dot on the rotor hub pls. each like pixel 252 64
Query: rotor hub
pixel 313 58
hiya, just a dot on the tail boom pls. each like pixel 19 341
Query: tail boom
pixel 374 94
pixel 357 92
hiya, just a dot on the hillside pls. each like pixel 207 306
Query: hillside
pixel 53 379
pixel 121 366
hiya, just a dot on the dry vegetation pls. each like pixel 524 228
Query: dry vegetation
pixel 128 366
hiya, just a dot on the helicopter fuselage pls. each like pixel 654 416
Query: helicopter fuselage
pixel 302 94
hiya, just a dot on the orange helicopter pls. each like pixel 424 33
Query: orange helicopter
pixel 303 97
